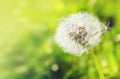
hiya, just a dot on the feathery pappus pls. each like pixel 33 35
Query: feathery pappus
pixel 79 32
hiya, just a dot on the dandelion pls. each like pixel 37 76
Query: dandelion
pixel 78 33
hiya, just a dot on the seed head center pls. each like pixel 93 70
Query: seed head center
pixel 78 34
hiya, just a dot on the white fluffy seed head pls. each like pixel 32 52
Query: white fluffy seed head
pixel 79 32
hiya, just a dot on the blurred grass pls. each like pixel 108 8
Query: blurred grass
pixel 27 48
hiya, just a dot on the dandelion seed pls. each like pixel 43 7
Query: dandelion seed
pixel 79 32
pixel 55 67
pixel 118 38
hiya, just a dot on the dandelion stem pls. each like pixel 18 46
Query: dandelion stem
pixel 98 66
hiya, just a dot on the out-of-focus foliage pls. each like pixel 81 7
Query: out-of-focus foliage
pixel 28 50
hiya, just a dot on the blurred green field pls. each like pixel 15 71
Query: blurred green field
pixel 28 50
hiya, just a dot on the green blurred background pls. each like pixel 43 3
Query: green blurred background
pixel 28 50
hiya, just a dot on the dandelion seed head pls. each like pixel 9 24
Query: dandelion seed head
pixel 79 32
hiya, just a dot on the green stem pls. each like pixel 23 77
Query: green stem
pixel 98 66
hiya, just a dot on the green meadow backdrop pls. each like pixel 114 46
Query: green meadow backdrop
pixel 28 49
